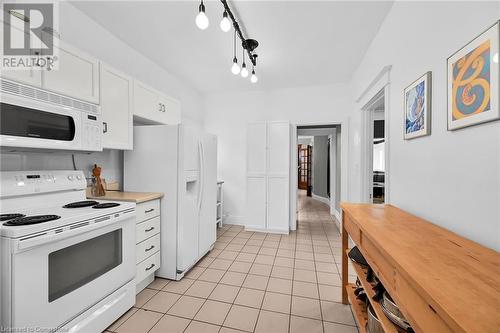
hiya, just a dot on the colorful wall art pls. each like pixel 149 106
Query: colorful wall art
pixel 417 107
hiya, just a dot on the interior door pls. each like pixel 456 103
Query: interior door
pixel 208 174
pixel 304 162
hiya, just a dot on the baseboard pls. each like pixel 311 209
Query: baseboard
pixel 270 231
pixel 236 220
pixel 322 199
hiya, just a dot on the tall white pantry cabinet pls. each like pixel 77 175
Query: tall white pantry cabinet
pixel 268 176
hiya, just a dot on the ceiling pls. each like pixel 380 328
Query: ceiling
pixel 302 43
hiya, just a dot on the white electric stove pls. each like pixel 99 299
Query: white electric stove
pixel 67 263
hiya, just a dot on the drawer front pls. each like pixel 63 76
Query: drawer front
pixel 147 248
pixel 146 229
pixel 382 268
pixel 352 229
pixel 147 210
pixel 148 266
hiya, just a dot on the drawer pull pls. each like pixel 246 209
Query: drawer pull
pixel 150 229
pixel 150 248
pixel 148 268
pixel 149 210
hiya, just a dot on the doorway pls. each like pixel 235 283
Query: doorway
pixel 304 162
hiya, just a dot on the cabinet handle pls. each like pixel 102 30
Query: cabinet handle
pixel 148 268
pixel 150 229
pixel 149 210
pixel 150 248
pixel 164 108
pixel 160 105
pixel 104 127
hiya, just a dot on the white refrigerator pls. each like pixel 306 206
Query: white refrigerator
pixel 181 162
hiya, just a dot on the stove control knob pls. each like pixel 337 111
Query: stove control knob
pixel 79 177
pixel 70 177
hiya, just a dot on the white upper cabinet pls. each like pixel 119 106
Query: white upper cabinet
pixel 256 148
pixel 116 107
pixel 77 74
pixel 279 148
pixel 152 106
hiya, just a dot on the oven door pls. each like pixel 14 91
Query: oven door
pixel 55 282
pixel 33 124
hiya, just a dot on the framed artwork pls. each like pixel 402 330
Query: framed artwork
pixel 417 107
pixel 473 81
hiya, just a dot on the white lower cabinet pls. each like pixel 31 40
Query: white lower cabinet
pixel 151 106
pixel 116 108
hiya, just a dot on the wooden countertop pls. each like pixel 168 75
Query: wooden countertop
pixel 136 197
pixel 460 277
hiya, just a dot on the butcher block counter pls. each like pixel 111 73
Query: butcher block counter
pixel 136 197
pixel 442 282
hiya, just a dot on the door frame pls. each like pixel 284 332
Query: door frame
pixel 379 87
pixel 344 186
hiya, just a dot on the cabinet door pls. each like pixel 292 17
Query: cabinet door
pixel 279 148
pixel 116 108
pixel 277 203
pixel 171 110
pixel 256 202
pixel 146 103
pixel 28 76
pixel 77 75
pixel 256 149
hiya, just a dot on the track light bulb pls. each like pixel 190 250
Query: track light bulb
pixel 201 18
pixel 244 70
pixel 225 23
pixel 235 69
pixel 254 77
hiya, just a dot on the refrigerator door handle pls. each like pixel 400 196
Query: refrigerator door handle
pixel 202 176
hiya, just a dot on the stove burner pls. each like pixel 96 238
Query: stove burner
pixel 5 217
pixel 31 220
pixel 106 205
pixel 79 204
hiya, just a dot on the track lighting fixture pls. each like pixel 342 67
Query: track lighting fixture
pixel 225 23
pixel 249 45
pixel 201 18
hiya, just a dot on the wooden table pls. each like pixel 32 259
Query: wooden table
pixel 136 197
pixel 442 282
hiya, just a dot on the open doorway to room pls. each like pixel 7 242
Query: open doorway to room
pixel 318 163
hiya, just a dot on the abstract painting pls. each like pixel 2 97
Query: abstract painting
pixel 473 82
pixel 417 108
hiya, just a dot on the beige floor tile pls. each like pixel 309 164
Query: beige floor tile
pixel 229 330
pixel 329 279
pixel 224 239
pixel 282 286
pixel 330 293
pixel 304 255
pixel 282 272
pixel 304 248
pixel 304 275
pixel 250 248
pixel 246 257
pixel 271 244
pixel 158 284
pixel 228 255
pixel 213 312
pixel 242 318
pixel 186 307
pixel 284 262
pixel 272 322
pixel 276 302
pixel 195 272
pixel 324 257
pixel 239 240
pixel 326 267
pixel 140 322
pixel 285 253
pixel 256 282
pixel 240 266
pixel 179 287
pixel 268 251
pixel 338 328
pixel 301 325
pixel 212 275
pixel 201 289
pixel 199 327
pixel 215 252
pixel 170 324
pixel 250 297
pixel 144 296
pixel 224 293
pixel 337 312
pixel 233 278
pixel 234 247
pixel 161 302
pixel 260 269
pixel 304 264
pixel 222 264
pixel 205 262
pixel 305 289
pixel 306 307
pixel 264 259
pixel 113 327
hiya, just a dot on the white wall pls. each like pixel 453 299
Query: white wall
pixel 81 31
pixel 450 178
pixel 227 116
